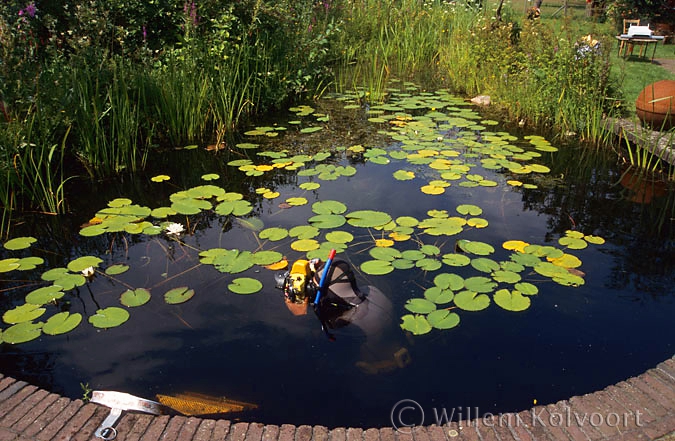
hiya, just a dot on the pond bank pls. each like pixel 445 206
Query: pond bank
pixel 660 144
pixel 640 408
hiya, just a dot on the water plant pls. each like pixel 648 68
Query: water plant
pixel 434 140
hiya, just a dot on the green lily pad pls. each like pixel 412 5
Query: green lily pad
pixel 428 264
pixel 135 297
pixel 327 221
pixel 114 270
pixel 438 295
pixel 44 295
pixel 10 264
pixel 22 332
pixel 475 247
pixel 404 175
pixel 304 245
pixel 386 254
pixel 245 285
pixel 368 218
pixel 511 300
pixel 339 237
pixel 274 233
pixel 179 295
pixel 471 301
pixel 377 267
pixel 484 264
pixel 62 323
pixel 457 260
pixel 109 317
pixel 443 319
pixel 573 243
pixel 526 288
pixel 20 243
pixel 416 324
pixel 23 313
pixel 596 240
pixel 506 276
pixel 82 263
pixel 309 186
pixel 263 258
pixel 467 209
pixel 480 284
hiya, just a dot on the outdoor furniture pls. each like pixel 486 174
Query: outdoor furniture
pixel 634 34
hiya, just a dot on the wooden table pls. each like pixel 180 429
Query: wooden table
pixel 627 42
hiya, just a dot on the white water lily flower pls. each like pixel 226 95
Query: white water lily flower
pixel 174 229
pixel 88 272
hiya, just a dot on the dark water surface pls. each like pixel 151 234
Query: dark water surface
pixel 570 341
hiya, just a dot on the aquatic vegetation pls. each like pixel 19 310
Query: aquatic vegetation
pixel 436 139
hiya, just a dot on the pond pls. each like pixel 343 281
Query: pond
pixel 514 270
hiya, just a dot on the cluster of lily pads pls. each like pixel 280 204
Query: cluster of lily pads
pixel 435 139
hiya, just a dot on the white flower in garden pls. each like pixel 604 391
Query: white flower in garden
pixel 88 272
pixel 174 229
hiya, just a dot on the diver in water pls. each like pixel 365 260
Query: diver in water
pixel 341 302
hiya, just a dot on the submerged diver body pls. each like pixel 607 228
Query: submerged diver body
pixel 341 302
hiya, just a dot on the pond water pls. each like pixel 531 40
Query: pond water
pixel 414 163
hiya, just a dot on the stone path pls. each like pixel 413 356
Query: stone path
pixel 641 408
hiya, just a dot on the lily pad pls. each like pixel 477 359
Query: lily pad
pixel 471 301
pixel 44 295
pixel 23 313
pixel 416 324
pixel 84 262
pixel 245 285
pixel 274 233
pixel 10 264
pixel 368 218
pixel 475 247
pixel 443 319
pixel 62 323
pixel 22 332
pixel 135 297
pixel 20 243
pixel 511 300
pixel 467 209
pixel 114 270
pixel 179 295
pixel 109 317
pixel 377 267
pixel 438 295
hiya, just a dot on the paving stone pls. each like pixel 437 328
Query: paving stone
pixel 633 435
pixel 320 433
pixel 645 401
pixel 204 430
pixel 238 432
pixel 438 433
pixel 287 432
pixel 467 431
pixel 337 434
pixel 303 433
pixel 519 430
pixel 10 390
pixel 124 425
pixel 354 434
pixel 7 435
pixel 189 429
pixel 651 393
pixel 665 377
pixel 501 428
pixel 172 429
pixel 631 404
pixel 90 426
pixel 486 432
pixel 271 433
pixel 662 426
pixel 75 423
pixel 371 434
pixel 387 434
pixel 581 409
pixel 60 420
pixel 141 424
pixel 35 412
pixel 22 408
pixel 255 432
pixel 668 367
pixel 663 388
pixel 220 430
pixel 155 428
pixel 4 383
pixel 43 419
pixel 569 425
pixel 420 434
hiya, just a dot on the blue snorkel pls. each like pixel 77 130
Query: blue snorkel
pixel 320 290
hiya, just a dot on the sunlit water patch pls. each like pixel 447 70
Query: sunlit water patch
pixel 514 270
